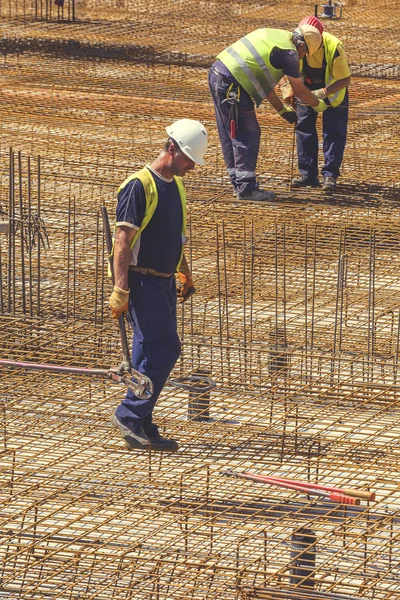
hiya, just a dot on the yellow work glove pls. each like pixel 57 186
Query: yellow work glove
pixel 321 106
pixel 320 94
pixel 186 288
pixel 118 302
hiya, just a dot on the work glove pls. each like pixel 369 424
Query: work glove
pixel 289 114
pixel 321 106
pixel 320 94
pixel 186 288
pixel 118 302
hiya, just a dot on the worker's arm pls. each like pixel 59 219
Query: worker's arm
pixel 122 251
pixel 302 92
pixel 122 248
pixel 332 89
pixel 186 288
pixel 286 112
pixel 184 267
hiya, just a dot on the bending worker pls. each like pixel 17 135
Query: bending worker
pixel 148 250
pixel 327 74
pixel 245 74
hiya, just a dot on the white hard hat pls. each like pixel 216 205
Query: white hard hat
pixel 312 38
pixel 191 137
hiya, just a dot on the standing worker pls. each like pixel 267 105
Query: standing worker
pixel 327 74
pixel 243 75
pixel 148 250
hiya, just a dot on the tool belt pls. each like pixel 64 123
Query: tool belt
pixel 233 99
pixel 146 271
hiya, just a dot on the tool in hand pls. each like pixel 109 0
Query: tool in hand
pixel 334 494
pixel 143 384
pixel 139 386
pixel 233 98
pixel 292 156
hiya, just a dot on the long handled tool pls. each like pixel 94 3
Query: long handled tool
pixel 334 494
pixel 292 155
pixel 139 387
pixel 126 366
pixel 363 495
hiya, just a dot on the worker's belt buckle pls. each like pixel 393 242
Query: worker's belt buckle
pixel 146 271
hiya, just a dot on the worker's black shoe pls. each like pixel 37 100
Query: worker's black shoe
pixel 329 184
pixel 163 444
pixel 133 439
pixel 305 181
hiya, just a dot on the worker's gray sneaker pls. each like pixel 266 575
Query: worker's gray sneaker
pixel 329 184
pixel 138 441
pixel 305 181
pixel 258 195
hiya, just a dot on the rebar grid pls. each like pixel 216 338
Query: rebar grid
pixel 295 317
pixel 211 26
pixel 73 520
pixel 124 108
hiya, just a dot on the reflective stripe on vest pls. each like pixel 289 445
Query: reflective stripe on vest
pixel 330 46
pixel 151 194
pixel 248 60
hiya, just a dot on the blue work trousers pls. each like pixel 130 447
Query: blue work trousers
pixel 334 133
pixel 156 346
pixel 241 153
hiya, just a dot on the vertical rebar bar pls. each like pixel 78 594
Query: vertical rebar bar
pixel 251 291
pixel 21 221
pixel 220 325
pixel 1 280
pixel 284 282
pixel 96 274
pixel 68 255
pixel 30 243
pixel 74 259
pixel 12 228
pixel 306 292
pixel 38 303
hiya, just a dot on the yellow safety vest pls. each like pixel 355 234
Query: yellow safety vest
pixel 151 194
pixel 330 46
pixel 248 60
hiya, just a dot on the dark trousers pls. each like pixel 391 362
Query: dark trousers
pixel 334 133
pixel 240 154
pixel 156 345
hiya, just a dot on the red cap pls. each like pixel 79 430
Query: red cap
pixel 311 20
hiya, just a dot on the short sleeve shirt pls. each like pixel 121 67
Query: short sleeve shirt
pixel 159 244
pixel 340 67
pixel 286 60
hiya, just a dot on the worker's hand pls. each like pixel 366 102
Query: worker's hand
pixel 320 94
pixel 289 114
pixel 321 106
pixel 186 288
pixel 118 302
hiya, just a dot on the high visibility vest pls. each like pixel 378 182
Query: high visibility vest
pixel 248 60
pixel 151 194
pixel 330 46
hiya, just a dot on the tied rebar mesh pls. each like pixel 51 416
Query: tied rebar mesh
pixel 295 317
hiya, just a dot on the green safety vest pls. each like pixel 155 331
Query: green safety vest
pixel 330 46
pixel 151 194
pixel 248 60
